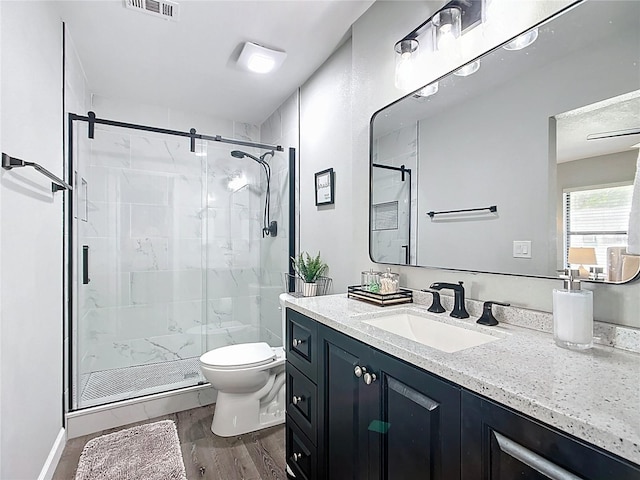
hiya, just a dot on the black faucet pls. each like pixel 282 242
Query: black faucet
pixel 458 303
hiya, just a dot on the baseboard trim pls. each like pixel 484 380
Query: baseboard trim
pixel 55 454
pixel 96 419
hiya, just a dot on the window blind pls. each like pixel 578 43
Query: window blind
pixel 597 217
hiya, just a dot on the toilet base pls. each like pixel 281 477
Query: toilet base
pixel 236 414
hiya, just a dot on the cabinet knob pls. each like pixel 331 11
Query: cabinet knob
pixel 297 342
pixel 297 456
pixel 359 371
pixel 297 400
pixel 369 378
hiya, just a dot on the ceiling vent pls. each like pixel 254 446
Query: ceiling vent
pixel 159 8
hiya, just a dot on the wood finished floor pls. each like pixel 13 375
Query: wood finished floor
pixel 252 456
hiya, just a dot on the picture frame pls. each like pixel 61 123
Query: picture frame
pixel 324 187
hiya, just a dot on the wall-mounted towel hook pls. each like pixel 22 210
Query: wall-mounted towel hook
pixel 57 184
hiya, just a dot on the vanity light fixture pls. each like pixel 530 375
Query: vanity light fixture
pixel 522 41
pixel 441 30
pixel 429 90
pixel 259 59
pixel 469 69
pixel 447 27
pixel 407 50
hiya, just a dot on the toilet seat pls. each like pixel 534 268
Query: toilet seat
pixel 243 355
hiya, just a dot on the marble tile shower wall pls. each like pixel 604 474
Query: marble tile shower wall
pixel 171 257
pixel 281 128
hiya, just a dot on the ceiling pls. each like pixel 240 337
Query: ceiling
pixel 189 64
pixel 609 116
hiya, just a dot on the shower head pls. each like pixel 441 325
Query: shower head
pixel 237 154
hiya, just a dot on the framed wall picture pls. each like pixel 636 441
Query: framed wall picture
pixel 324 187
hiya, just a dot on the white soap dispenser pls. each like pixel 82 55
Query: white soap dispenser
pixel 573 315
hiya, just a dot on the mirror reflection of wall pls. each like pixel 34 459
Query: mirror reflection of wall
pixel 491 138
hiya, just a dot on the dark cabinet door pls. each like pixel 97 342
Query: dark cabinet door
pixel 392 422
pixel 420 423
pixel 348 403
pixel 499 444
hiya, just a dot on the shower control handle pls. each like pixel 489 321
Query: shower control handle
pixel 297 456
pixel 297 400
pixel 359 371
pixel 297 343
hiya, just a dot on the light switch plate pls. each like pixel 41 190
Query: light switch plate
pixel 522 249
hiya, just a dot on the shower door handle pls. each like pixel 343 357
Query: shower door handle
pixel 85 265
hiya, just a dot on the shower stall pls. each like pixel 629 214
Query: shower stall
pixel 169 256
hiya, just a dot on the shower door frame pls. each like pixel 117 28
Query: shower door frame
pixel 92 120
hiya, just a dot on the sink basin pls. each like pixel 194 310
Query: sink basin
pixel 442 336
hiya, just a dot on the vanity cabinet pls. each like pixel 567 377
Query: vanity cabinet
pixel 303 407
pixel 500 444
pixel 384 419
pixel 356 413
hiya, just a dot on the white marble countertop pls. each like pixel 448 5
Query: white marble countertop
pixel 593 395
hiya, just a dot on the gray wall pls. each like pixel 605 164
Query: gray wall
pixel 325 142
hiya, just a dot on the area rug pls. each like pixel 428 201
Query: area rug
pixel 149 452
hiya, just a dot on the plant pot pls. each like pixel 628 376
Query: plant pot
pixel 309 289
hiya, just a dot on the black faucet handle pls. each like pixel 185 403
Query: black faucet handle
pixel 436 306
pixel 487 317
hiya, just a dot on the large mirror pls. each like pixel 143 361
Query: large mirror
pixel 525 167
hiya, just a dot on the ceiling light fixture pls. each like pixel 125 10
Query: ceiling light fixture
pixel 522 41
pixel 259 59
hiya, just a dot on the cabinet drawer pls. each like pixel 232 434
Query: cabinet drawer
pixel 301 453
pixel 302 333
pixel 302 402
pixel 499 443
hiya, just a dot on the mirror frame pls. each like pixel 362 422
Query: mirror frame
pixel 544 21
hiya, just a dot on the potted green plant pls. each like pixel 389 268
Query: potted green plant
pixel 309 269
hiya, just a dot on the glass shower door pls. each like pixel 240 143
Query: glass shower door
pixel 140 306
pixel 244 267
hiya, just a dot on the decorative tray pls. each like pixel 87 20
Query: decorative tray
pixel 358 292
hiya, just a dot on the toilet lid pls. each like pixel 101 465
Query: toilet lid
pixel 241 355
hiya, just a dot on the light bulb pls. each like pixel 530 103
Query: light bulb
pixel 468 69
pixel 447 27
pixel 523 40
pixel 429 90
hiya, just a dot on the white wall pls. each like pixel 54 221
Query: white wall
pixel 31 238
pixel 372 73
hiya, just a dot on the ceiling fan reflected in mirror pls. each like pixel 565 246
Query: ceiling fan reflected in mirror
pixel 615 133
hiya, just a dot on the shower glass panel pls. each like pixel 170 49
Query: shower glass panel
pixel 140 317
pixel 170 258
pixel 244 269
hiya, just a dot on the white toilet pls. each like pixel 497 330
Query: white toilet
pixel 250 380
